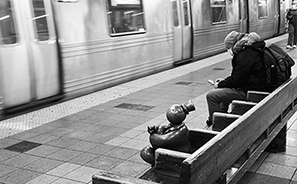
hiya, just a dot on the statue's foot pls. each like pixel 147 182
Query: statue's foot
pixel 148 155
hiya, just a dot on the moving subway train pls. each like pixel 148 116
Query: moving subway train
pixel 53 49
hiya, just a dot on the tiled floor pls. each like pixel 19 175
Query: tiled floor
pixel 105 131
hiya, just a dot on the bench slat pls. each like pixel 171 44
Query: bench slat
pixel 240 107
pixel 168 162
pixel 222 120
pixel 256 96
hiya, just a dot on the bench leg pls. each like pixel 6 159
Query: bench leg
pixel 278 144
pixel 222 179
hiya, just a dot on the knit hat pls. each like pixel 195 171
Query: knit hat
pixel 231 39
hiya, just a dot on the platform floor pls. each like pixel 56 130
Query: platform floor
pixel 105 131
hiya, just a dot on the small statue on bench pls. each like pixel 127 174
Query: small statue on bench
pixel 173 136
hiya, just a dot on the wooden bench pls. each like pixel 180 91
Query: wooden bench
pixel 222 120
pixel 223 156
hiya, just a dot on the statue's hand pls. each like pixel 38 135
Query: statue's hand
pixel 151 129
pixel 160 129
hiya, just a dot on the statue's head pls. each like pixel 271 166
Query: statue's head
pixel 176 114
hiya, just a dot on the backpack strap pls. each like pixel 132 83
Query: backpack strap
pixel 264 66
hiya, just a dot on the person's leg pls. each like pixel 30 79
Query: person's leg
pixel 291 36
pixel 224 107
pixel 222 97
pixel 295 36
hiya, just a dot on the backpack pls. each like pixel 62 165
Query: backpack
pixel 277 65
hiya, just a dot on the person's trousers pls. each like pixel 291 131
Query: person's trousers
pixel 292 39
pixel 218 100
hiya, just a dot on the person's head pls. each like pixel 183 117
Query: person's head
pixel 232 38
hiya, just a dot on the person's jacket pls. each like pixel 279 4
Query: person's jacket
pixel 292 16
pixel 247 69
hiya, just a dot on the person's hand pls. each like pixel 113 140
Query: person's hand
pixel 216 83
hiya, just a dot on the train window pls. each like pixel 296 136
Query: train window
pixel 40 15
pixel 218 9
pixel 7 25
pixel 186 12
pixel 262 9
pixel 125 17
pixel 175 13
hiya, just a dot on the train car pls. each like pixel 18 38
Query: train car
pixel 29 54
pixel 61 49
pixel 214 19
pixel 107 42
pixel 269 19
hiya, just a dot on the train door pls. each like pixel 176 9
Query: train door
pixel 243 16
pixel 182 30
pixel 282 17
pixel 28 52
pixel 276 15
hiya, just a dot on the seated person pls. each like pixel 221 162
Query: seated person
pixel 247 72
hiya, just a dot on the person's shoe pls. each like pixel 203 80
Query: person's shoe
pixel 289 47
pixel 208 123
pixel 294 46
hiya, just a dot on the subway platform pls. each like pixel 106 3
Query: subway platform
pixel 105 131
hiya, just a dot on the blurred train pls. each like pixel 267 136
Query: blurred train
pixel 54 49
